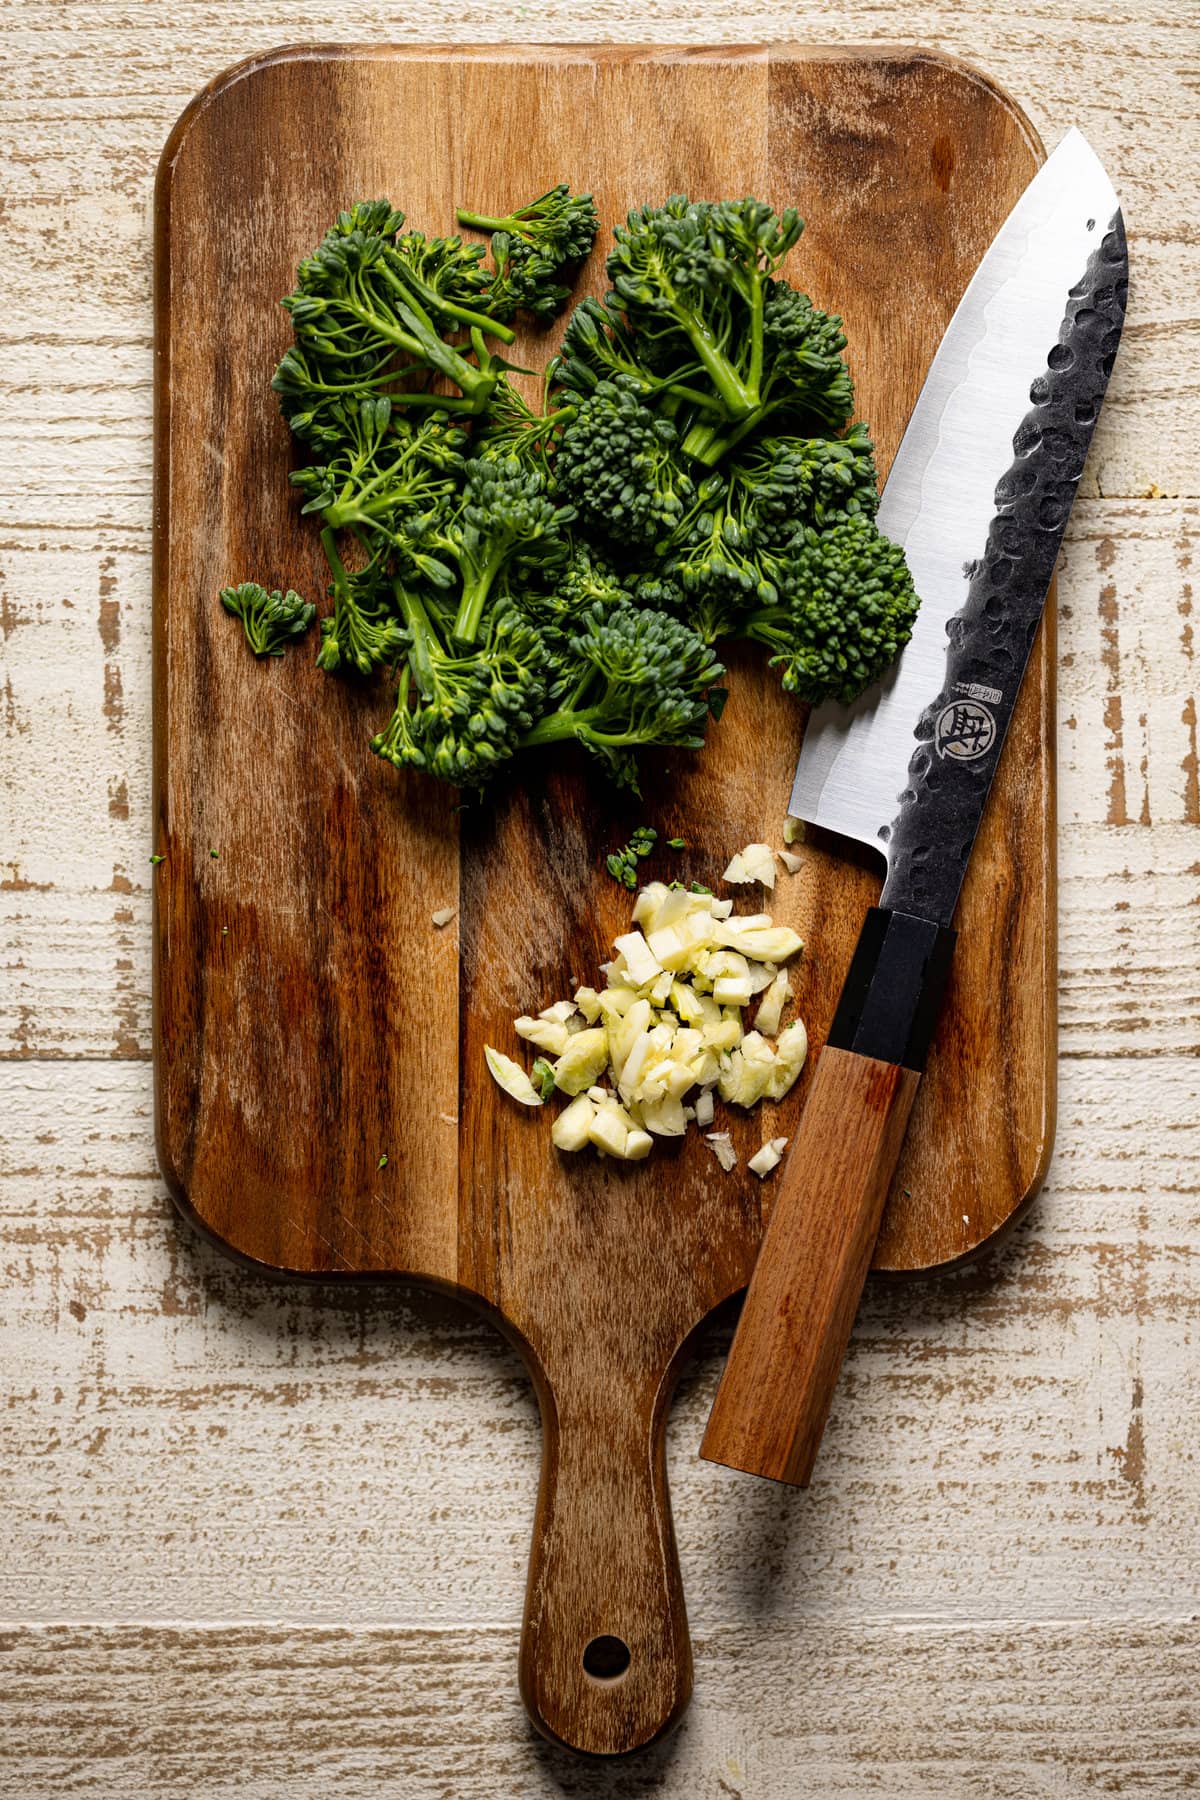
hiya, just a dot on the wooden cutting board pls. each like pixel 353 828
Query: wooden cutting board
pixel 309 1017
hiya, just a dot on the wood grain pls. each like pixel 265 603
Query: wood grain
pixel 291 1054
pixel 1002 1530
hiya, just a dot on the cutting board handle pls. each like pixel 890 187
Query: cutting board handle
pixel 606 1662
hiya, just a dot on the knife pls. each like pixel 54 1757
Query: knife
pixel 979 496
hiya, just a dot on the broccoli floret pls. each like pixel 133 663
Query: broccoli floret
pixel 709 322
pixel 638 677
pixel 778 483
pixel 504 520
pixel 733 545
pixel 369 315
pixel 581 582
pixel 615 460
pixel 524 281
pixel 512 428
pixel 597 347
pixel 270 621
pixel 361 634
pixel 560 225
pixel 458 716
pixel 845 611
pixel 383 470
pixel 446 273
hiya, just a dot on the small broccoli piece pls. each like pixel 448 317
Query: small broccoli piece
pixel 639 678
pixel 707 324
pixel 361 634
pixel 622 864
pixel 559 225
pixel 460 715
pixel 845 611
pixel 570 589
pixel 512 428
pixel 525 281
pixel 370 314
pixel 270 621
pixel 615 461
pixel 505 520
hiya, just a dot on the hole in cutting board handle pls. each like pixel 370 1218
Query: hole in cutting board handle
pixel 606 1658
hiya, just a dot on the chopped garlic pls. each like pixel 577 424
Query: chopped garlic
pixel 791 1049
pixel 641 1057
pixel 572 1128
pixel 770 1007
pixel 754 863
pixel 544 1033
pixel 762 943
pixel 443 915
pixel 722 1148
pixel 559 1013
pixel 793 830
pixel 642 965
pixel 790 860
pixel 607 1132
pixel 768 1157
pixel 664 1117
pixel 751 1071
pixel 585 1057
pixel 511 1077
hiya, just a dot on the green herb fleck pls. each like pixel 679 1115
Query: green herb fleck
pixel 214 854
pixel 155 860
pixel 382 1163
pixel 676 843
pixel 542 1077
pixel 698 887
pixel 622 864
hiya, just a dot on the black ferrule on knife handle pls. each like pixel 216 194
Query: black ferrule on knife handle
pixel 892 994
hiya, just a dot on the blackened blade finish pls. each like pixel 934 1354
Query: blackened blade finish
pixel 979 496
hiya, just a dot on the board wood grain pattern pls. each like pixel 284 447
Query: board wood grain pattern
pixel 297 980
pixel 194 1390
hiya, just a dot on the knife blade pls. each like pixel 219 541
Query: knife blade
pixel 979 496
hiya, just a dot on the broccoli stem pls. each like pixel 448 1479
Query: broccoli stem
pixel 707 444
pixel 565 724
pixel 739 400
pixel 478 222
pixel 422 636
pixel 438 303
pixel 476 588
pixel 337 567
pixel 420 340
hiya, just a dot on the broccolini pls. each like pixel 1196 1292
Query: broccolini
pixel 531 574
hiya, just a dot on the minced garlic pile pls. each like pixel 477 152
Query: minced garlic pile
pixel 643 1056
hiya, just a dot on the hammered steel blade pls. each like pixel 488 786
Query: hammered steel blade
pixel 979 496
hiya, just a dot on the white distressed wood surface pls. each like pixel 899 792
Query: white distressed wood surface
pixel 270 1540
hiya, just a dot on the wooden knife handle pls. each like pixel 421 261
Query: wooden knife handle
pixel 774 1396
pixel 776 1389
pixel 605 1660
